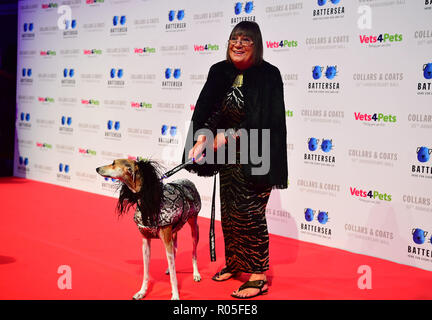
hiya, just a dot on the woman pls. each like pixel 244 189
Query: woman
pixel 243 92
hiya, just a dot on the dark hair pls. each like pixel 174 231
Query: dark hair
pixel 148 199
pixel 249 29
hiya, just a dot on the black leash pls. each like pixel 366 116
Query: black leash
pixel 213 208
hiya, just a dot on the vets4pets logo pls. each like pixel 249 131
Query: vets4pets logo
pixel 370 195
pixel 422 168
pixel 320 152
pixel 281 45
pixel 380 40
pixel 316 223
pixel 324 79
pixel 374 119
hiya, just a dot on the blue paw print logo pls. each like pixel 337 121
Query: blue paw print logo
pixel 111 124
pixel 25 116
pixel 169 72
pixel 66 120
pixel 323 2
pixel 68 72
pixel 113 72
pixel 331 72
pixel 23 161
pixel 317 72
pixel 309 214
pixel 423 154
pixel 70 24
pixel 419 235
pixel 26 72
pixel 323 217
pixel 117 20
pixel 112 179
pixel 172 130
pixel 28 27
pixel 327 145
pixel 313 144
pixel 172 15
pixel 248 7
pixel 427 71
pixel 64 168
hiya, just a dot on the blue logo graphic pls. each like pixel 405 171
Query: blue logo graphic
pixel 176 74
pixel 25 116
pixel 23 161
pixel 70 24
pixel 26 72
pixel 64 167
pixel 172 15
pixel 70 72
pixel 309 214
pixel 313 144
pixel 248 7
pixel 116 20
pixel 317 72
pixel 66 121
pixel 116 125
pixel 419 235
pixel 331 72
pixel 322 217
pixel 114 71
pixel 112 179
pixel 28 27
pixel 423 154
pixel 326 145
pixel 172 130
pixel 427 71
pixel 323 2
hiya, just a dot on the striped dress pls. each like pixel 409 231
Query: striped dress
pixel 243 204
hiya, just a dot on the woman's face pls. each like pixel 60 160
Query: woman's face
pixel 241 51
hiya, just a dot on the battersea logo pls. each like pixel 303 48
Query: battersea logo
pixel 113 130
pixel 371 194
pixel 26 76
pixel 24 121
pixel 28 31
pixel 115 78
pixel 318 230
pixel 63 172
pixel 327 76
pixel 243 12
pixel 168 135
pixel 320 152
pixel 66 125
pixel 64 168
pixel 172 78
pixel 118 26
pixel 176 20
pixel 422 169
pixel 69 30
pixel 23 164
pixel 420 238
pixel 68 77
pixel 425 87
pixel 328 9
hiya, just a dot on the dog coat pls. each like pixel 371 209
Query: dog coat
pixel 180 201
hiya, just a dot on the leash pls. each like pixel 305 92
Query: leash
pixel 213 208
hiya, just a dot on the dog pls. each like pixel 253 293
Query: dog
pixel 161 211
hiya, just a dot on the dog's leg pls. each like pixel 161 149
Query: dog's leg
pixel 166 236
pixel 146 261
pixel 195 238
pixel 174 236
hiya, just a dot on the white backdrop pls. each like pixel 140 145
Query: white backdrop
pixel 366 189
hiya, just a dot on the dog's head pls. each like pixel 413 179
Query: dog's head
pixel 125 170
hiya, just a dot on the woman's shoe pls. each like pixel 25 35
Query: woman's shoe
pixel 256 284
pixel 221 273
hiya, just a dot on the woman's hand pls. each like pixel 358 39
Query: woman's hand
pixel 219 140
pixel 196 151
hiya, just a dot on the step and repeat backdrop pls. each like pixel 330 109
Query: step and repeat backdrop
pixel 106 79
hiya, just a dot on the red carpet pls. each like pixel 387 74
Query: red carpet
pixel 44 226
